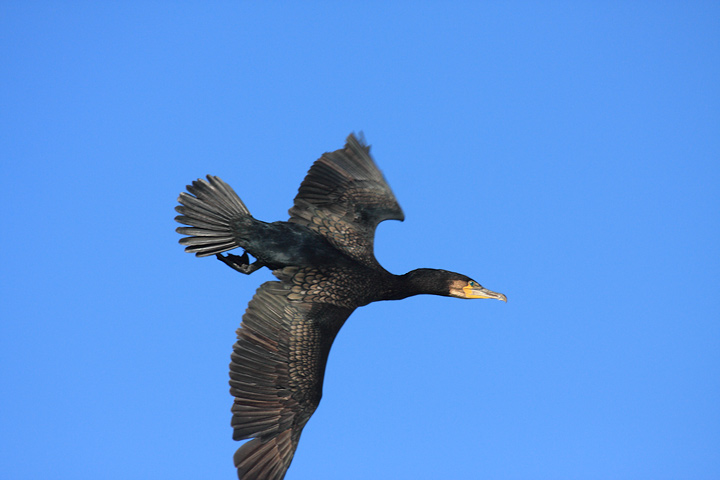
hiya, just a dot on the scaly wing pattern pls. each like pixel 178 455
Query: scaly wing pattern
pixel 343 197
pixel 276 373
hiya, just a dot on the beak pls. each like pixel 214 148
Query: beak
pixel 481 292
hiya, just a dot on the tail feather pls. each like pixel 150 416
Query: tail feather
pixel 210 208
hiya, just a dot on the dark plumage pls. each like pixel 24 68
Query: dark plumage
pixel 323 258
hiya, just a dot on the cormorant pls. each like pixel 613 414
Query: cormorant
pixel 323 257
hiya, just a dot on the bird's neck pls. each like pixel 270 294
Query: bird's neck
pixel 422 281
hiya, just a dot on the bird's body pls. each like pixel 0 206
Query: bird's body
pixel 281 244
pixel 323 259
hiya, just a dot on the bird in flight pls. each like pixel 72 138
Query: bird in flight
pixel 324 262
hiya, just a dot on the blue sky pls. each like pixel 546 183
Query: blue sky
pixel 563 153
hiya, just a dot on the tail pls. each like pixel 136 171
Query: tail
pixel 210 208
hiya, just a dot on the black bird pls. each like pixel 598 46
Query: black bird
pixel 323 257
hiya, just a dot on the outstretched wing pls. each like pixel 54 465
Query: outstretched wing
pixel 276 375
pixel 343 197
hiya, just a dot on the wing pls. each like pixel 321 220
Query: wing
pixel 276 376
pixel 344 197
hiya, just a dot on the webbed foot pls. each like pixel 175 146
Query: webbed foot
pixel 240 263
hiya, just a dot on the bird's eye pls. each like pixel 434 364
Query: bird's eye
pixel 472 284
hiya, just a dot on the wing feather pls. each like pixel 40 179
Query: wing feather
pixel 343 197
pixel 276 376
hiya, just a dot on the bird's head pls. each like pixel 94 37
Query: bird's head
pixel 468 288
pixel 442 282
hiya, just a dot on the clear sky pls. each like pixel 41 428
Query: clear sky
pixel 566 154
